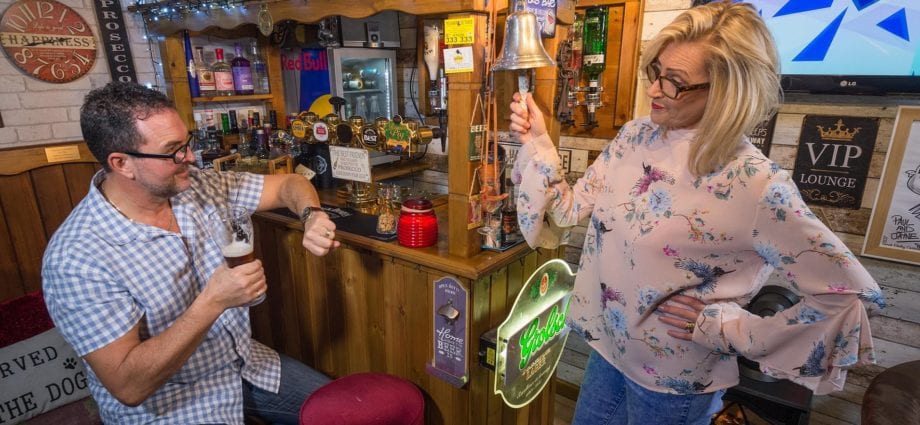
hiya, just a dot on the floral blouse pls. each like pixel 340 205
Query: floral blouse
pixel 656 230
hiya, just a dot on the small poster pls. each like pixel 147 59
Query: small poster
pixel 762 135
pixel 833 159
pixel 546 16
pixel 459 31
pixel 458 59
pixel 350 163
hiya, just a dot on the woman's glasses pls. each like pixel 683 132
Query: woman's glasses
pixel 670 88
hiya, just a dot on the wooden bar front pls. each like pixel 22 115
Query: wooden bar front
pixel 368 307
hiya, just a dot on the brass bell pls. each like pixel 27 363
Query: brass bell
pixel 523 48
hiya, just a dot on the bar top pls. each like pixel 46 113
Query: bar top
pixel 435 257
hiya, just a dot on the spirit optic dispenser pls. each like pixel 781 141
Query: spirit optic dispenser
pixel 594 62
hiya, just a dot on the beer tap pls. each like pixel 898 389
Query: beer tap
pixel 437 93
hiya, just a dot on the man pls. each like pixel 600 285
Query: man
pixel 138 288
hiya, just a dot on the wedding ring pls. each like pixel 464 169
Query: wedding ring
pixel 689 327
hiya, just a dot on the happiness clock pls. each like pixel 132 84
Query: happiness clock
pixel 47 40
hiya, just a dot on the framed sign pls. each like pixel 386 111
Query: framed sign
pixel 894 228
pixel 833 159
pixel 762 135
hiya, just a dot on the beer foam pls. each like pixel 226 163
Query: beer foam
pixel 237 249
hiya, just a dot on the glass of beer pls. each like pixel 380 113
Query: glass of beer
pixel 232 229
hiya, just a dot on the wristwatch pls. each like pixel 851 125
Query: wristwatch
pixel 307 212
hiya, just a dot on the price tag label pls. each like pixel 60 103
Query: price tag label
pixel 458 31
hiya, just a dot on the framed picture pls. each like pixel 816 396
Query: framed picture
pixel 894 228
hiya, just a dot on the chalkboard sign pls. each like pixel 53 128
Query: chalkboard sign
pixel 833 159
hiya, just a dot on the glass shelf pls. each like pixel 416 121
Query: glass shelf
pixel 364 91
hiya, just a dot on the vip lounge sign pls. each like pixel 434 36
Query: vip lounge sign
pixel 530 341
pixel 833 159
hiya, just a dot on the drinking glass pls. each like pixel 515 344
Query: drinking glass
pixel 386 216
pixel 231 228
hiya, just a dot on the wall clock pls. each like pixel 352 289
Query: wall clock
pixel 47 40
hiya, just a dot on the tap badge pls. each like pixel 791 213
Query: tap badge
pixel 320 131
pixel 369 136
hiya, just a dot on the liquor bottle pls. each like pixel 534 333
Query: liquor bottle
pixel 263 152
pixel 259 71
pixel 223 77
pixel 234 126
pixel 594 59
pixel 242 74
pixel 205 76
pixel 594 43
pixel 191 66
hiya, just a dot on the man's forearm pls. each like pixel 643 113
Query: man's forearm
pixel 147 365
pixel 291 191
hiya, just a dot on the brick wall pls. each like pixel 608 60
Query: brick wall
pixel 35 112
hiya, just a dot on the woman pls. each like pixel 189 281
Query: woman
pixel 687 221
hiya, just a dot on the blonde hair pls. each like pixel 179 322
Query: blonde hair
pixel 743 67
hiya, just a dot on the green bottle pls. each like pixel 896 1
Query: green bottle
pixel 595 43
pixel 594 59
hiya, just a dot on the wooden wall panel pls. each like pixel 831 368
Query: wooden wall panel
pixel 12 286
pixel 27 232
pixel 35 198
pixel 78 178
pixel 52 197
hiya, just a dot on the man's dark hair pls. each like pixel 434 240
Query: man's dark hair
pixel 109 114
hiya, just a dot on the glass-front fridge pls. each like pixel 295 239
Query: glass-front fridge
pixel 366 79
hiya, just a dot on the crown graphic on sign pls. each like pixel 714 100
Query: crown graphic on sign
pixel 839 132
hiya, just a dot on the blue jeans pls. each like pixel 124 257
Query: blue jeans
pixel 298 381
pixel 608 397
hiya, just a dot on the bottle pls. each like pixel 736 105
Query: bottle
pixel 191 66
pixel 205 76
pixel 594 43
pixel 263 152
pixel 234 126
pixel 259 71
pixel 594 59
pixel 242 74
pixel 223 77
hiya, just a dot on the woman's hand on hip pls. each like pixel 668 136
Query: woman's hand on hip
pixel 681 313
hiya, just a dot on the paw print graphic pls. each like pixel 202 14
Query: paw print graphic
pixel 70 363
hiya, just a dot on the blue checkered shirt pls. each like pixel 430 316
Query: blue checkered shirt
pixel 103 273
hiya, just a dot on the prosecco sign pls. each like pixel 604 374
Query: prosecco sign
pixel 530 341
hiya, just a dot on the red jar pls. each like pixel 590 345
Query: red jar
pixel 418 225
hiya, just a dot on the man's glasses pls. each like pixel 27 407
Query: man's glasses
pixel 670 88
pixel 178 156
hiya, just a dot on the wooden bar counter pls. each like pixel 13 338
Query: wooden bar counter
pixel 368 307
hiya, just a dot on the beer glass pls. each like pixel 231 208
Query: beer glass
pixel 232 229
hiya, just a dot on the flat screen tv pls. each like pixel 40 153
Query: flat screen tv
pixel 846 46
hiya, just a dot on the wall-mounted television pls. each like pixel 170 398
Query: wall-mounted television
pixel 846 46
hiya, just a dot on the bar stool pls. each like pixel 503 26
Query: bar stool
pixel 365 399
pixel 893 396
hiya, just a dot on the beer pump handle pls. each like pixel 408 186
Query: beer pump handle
pixel 337 104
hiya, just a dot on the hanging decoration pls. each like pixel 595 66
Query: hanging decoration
pixel 179 10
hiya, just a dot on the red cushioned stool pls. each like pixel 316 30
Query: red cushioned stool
pixel 365 399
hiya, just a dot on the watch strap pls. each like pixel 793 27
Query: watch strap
pixel 307 212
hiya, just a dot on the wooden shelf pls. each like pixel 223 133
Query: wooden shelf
pixel 239 98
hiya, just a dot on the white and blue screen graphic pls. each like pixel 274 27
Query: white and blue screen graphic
pixel 845 37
